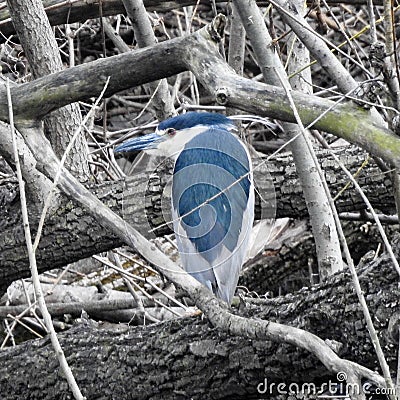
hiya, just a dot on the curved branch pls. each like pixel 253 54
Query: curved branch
pixel 159 360
pixel 198 52
pixel 41 49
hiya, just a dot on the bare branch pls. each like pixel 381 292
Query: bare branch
pixel 69 11
pixel 41 49
pixel 198 52
pixel 35 274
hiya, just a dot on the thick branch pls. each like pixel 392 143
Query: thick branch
pixel 160 360
pixel 162 100
pixel 71 233
pixel 62 12
pixel 198 52
pixel 41 49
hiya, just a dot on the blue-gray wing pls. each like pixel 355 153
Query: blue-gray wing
pixel 213 213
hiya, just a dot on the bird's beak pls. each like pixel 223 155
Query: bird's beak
pixel 146 142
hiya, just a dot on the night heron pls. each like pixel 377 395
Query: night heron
pixel 212 195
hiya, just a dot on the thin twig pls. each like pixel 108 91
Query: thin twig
pixel 365 216
pixel 349 260
pixel 76 307
pixel 130 285
pixel 18 321
pixel 9 331
pixel 32 262
pixel 372 21
pixel 371 210
pixel 53 189
pixel 126 273
pixel 358 172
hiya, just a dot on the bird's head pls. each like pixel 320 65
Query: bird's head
pixel 172 134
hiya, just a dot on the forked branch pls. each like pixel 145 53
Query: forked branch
pixel 199 53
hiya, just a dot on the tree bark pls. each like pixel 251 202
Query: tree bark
pixel 41 49
pixel 144 34
pixel 188 358
pixel 312 182
pixel 286 264
pixel 61 12
pixel 71 234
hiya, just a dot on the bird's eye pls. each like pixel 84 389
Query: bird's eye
pixel 171 131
